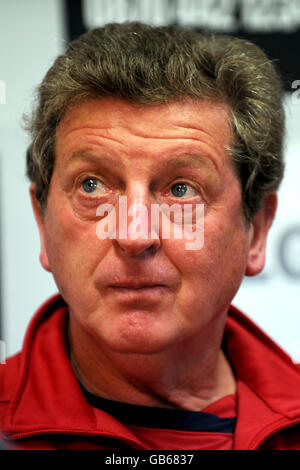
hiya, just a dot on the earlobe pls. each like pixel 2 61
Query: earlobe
pixel 260 226
pixel 40 223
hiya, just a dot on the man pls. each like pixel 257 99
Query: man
pixel 141 349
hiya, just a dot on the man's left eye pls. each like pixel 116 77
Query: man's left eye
pixel 182 190
pixel 90 185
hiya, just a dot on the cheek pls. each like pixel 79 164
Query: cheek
pixel 222 258
pixel 227 249
pixel 73 248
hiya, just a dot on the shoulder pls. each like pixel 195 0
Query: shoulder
pixel 9 377
pixel 9 373
pixel 12 371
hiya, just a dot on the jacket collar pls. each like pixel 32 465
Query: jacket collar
pixel 49 399
pixel 268 381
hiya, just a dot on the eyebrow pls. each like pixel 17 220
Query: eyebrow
pixel 186 160
pixel 91 157
pixel 176 162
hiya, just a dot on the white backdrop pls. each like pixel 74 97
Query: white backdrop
pixel 31 36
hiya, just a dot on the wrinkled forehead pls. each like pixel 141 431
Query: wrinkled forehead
pixel 188 114
pixel 142 128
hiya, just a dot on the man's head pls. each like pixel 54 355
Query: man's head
pixel 154 115
pixel 147 66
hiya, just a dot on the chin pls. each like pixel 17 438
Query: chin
pixel 135 331
pixel 135 340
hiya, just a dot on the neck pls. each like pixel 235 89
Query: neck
pixel 189 377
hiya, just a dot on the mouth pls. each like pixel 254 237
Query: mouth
pixel 136 286
pixel 131 291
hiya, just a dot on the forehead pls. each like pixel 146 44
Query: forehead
pixel 139 129
pixel 186 114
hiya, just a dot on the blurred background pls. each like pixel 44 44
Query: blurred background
pixel 32 34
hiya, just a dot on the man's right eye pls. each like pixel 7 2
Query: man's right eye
pixel 90 185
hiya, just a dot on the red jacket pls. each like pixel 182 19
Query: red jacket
pixel 41 402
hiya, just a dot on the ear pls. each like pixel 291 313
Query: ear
pixel 40 222
pixel 260 226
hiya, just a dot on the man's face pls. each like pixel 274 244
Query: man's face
pixel 145 295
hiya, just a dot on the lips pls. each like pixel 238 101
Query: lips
pixel 139 289
pixel 141 292
pixel 114 277
pixel 137 285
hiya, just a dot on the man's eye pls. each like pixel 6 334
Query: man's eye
pixel 90 185
pixel 182 190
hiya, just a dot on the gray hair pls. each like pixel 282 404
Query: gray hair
pixel 153 65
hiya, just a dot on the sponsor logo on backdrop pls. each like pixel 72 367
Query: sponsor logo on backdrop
pixel 219 15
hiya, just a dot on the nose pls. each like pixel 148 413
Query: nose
pixel 135 234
